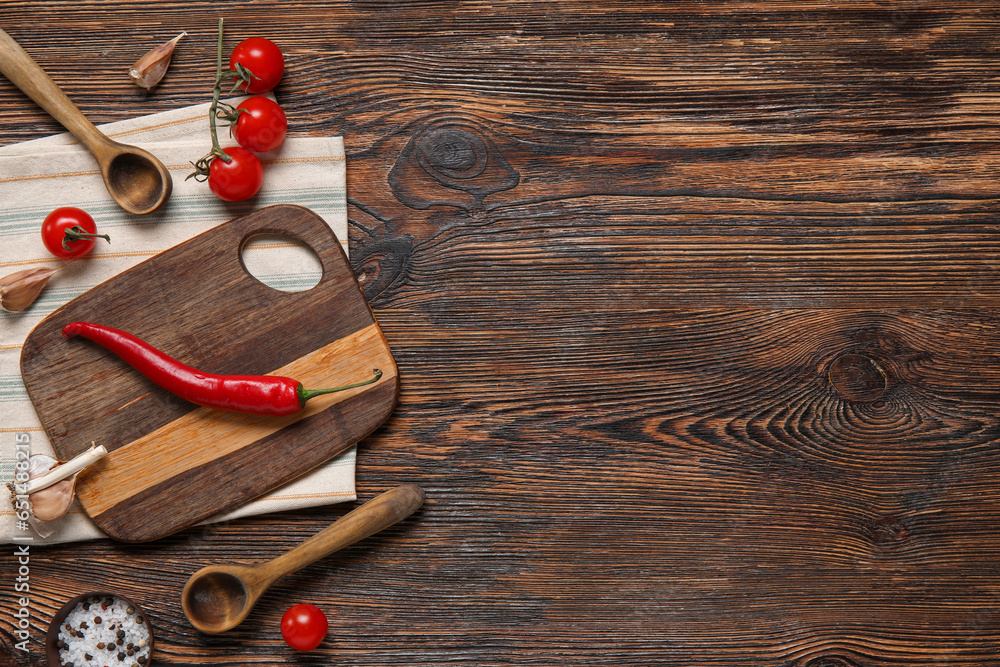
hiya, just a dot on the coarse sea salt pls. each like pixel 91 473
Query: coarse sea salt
pixel 104 631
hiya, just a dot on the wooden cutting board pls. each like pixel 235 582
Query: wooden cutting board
pixel 172 463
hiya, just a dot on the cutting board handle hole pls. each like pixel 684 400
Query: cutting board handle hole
pixel 281 262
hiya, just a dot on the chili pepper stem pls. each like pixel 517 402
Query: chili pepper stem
pixel 306 394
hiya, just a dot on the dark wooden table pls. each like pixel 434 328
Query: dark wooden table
pixel 693 305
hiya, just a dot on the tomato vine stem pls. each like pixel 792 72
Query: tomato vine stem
pixel 202 166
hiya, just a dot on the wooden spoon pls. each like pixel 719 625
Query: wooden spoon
pixel 136 180
pixel 218 597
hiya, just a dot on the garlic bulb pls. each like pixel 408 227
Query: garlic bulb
pixel 53 501
pixel 20 289
pixel 148 71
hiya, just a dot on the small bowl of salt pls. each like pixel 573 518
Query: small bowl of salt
pixel 99 629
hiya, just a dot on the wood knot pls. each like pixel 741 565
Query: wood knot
pixel 380 263
pixel 452 152
pixel 888 532
pixel 450 164
pixel 857 378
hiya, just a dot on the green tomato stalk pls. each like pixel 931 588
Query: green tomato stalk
pixel 202 166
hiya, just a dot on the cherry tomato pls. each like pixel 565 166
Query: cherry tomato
pixel 303 627
pixel 262 126
pixel 263 58
pixel 238 179
pixel 69 232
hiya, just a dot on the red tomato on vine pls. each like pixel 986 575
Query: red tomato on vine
pixel 263 59
pixel 235 174
pixel 261 125
pixel 69 232
pixel 238 179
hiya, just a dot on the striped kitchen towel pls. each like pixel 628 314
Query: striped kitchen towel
pixel 41 175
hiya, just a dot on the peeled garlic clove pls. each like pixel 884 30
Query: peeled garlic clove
pixel 151 67
pixel 20 289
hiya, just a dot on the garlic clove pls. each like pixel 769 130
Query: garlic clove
pixel 148 71
pixel 53 502
pixel 20 289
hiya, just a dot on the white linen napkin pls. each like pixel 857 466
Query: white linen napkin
pixel 41 175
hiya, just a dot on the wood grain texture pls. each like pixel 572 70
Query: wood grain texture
pixel 694 310
pixel 171 463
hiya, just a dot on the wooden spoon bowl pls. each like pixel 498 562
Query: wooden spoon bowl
pixel 136 180
pixel 217 596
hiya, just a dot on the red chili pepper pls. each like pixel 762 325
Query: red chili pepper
pixel 256 394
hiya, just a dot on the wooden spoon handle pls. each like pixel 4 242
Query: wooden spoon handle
pixel 375 515
pixel 24 72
